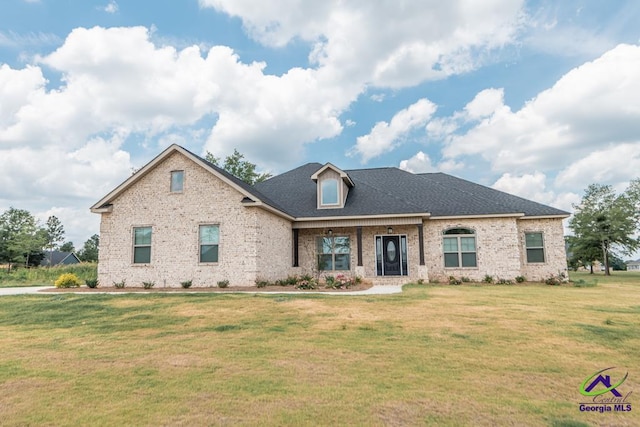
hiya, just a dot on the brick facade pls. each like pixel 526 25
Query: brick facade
pixel 252 242
pixel 256 243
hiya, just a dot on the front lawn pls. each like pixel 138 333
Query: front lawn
pixel 440 355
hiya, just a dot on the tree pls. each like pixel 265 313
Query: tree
pixel 67 247
pixel 236 166
pixel 20 236
pixel 583 252
pixel 54 232
pixel 89 251
pixel 609 219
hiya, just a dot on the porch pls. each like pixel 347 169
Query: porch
pixel 389 251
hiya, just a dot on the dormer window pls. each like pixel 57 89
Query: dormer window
pixel 333 186
pixel 330 191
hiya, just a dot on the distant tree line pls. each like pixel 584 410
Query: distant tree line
pixel 24 241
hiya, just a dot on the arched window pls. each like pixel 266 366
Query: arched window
pixel 459 246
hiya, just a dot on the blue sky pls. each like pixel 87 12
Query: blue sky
pixel 536 98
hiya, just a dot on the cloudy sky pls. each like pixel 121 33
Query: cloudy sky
pixel 536 98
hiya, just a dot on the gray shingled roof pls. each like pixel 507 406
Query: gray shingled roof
pixel 394 191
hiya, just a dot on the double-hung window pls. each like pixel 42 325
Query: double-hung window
pixel 141 245
pixel 535 247
pixel 459 246
pixel 334 253
pixel 209 243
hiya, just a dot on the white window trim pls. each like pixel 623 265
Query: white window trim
pixel 171 190
pixel 460 251
pixel 134 246
pixel 526 248
pixel 403 272
pixel 208 224
pixel 338 193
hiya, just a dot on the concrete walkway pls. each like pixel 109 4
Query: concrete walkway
pixel 23 290
pixel 374 290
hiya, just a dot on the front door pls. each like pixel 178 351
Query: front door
pixel 391 255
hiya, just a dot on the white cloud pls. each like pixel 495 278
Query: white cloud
pixel 613 164
pixel 112 7
pixel 528 186
pixel 420 163
pixel 534 187
pixel 592 106
pixel 485 104
pixel 384 136
pixel 78 226
pixel 384 43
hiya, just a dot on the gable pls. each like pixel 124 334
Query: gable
pixel 246 193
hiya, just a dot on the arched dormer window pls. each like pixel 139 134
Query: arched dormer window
pixel 329 192
pixel 459 246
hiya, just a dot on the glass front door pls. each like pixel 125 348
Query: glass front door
pixel 391 255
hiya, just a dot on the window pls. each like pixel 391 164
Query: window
pixel 209 242
pixel 334 253
pixel 329 189
pixel 177 181
pixel 535 247
pixel 142 245
pixel 459 245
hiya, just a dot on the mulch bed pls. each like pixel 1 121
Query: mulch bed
pixel 230 289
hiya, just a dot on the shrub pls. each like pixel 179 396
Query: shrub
pixel 305 278
pixel 186 284
pixel 91 283
pixel 307 284
pixel 223 283
pixel 148 285
pixel 119 285
pixel 465 279
pixel 261 283
pixel 341 281
pixel 420 281
pixel 454 281
pixel 68 280
pixel 487 278
pixel 520 279
pixel 504 282
pixel 553 280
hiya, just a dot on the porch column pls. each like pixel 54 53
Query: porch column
pixel 295 247
pixel 421 243
pixel 359 239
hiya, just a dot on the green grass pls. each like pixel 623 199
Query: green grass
pixel 43 276
pixel 434 355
